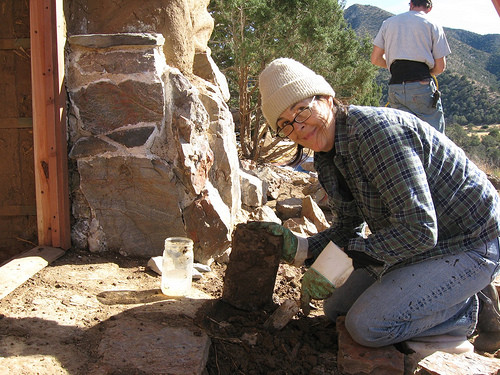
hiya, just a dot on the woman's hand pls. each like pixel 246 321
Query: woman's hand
pixel 314 286
pixel 290 241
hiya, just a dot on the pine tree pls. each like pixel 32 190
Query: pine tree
pixel 249 34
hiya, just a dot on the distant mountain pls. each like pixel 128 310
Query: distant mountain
pixel 366 19
pixel 474 62
pixel 473 55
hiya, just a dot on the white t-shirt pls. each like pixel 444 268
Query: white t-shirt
pixel 412 36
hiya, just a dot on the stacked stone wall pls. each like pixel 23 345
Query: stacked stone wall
pixel 152 145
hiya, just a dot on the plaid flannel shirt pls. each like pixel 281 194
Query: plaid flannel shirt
pixel 417 191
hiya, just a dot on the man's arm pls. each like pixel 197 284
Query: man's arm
pixel 439 66
pixel 378 57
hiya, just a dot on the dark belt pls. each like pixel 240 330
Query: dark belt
pixel 415 80
pixel 405 71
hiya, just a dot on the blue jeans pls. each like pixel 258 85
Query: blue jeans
pixel 416 98
pixel 433 297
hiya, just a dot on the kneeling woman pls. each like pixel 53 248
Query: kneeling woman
pixel 433 215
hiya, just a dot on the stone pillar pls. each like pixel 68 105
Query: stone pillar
pixel 141 149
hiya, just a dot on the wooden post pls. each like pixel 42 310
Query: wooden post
pixel 49 122
pixel 496 4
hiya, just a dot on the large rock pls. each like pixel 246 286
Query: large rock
pixel 252 190
pixel 224 174
pixel 107 106
pixel 289 208
pixel 354 359
pixel 441 363
pixel 205 67
pixel 313 212
pixel 302 226
pixel 207 222
pixel 135 203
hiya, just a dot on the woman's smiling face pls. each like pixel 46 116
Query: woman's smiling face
pixel 317 132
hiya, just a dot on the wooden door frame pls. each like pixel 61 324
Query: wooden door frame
pixel 48 36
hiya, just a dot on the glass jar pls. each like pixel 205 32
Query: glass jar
pixel 177 266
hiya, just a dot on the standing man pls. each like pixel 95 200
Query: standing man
pixel 414 49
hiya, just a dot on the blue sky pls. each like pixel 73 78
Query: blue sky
pixel 479 16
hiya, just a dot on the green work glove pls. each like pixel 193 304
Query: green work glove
pixel 314 286
pixel 294 249
pixel 329 271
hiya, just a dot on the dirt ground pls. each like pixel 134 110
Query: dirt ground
pixel 54 323
pixel 241 344
pixel 57 321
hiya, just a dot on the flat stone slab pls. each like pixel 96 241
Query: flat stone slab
pixel 441 363
pixel 158 338
pixel 132 344
pixel 113 40
pixel 16 271
pixel 355 359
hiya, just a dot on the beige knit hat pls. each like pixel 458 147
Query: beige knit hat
pixel 285 82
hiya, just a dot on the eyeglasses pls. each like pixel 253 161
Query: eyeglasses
pixel 299 118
